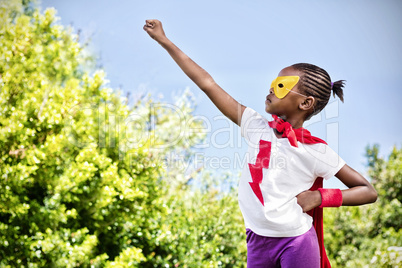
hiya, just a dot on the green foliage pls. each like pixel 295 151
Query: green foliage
pixel 72 194
pixel 386 175
pixel 371 235
pixel 204 227
pixel 130 257
pixel 87 181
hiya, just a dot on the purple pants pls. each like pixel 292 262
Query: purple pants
pixel 290 252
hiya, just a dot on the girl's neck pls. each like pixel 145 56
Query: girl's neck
pixel 295 122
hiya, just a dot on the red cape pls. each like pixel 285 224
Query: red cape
pixel 317 214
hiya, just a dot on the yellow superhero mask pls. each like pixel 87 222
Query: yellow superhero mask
pixel 282 85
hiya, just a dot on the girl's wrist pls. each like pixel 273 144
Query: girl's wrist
pixel 317 198
pixel 163 40
pixel 330 197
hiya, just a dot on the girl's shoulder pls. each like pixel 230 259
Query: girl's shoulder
pixel 251 118
pixel 253 124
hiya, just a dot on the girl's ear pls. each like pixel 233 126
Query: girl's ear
pixel 307 104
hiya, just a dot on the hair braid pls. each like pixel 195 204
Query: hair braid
pixel 316 82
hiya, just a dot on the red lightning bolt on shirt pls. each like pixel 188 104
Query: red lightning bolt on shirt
pixel 261 162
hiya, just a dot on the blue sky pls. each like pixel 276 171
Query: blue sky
pixel 244 44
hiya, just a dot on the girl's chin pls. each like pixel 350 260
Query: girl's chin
pixel 268 111
pixel 267 108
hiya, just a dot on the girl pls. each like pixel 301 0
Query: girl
pixel 280 203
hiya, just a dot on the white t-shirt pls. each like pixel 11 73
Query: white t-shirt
pixel 291 171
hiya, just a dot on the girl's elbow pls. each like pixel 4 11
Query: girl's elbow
pixel 206 84
pixel 373 196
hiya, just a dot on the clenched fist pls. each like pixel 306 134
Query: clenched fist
pixel 154 29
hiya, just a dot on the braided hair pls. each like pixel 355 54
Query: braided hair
pixel 316 82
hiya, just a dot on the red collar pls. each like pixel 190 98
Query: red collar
pixel 294 135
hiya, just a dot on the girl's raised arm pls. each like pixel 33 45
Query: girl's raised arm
pixel 225 103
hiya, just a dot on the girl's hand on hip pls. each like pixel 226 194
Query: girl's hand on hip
pixel 154 29
pixel 309 200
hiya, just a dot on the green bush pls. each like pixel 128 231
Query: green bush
pixel 371 235
pixel 87 181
